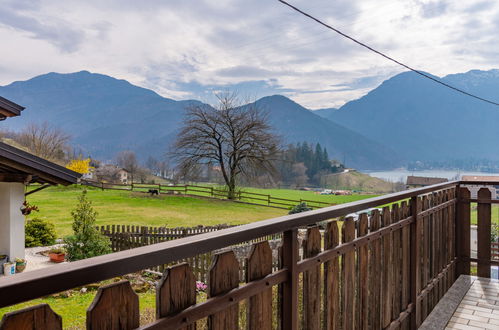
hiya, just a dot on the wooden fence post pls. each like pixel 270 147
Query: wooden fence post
pixel 289 299
pixel 415 263
pixel 483 234
pixel 102 185
pixel 463 224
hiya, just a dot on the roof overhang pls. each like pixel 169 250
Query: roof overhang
pixel 20 166
pixel 9 108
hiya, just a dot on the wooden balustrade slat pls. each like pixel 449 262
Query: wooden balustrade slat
pixel 415 261
pixel 332 310
pixel 387 273
pixel 348 272
pixel 176 291
pixel 375 278
pixel 425 266
pixel 116 306
pixel 259 265
pixel 34 317
pixel 396 262
pixel 405 272
pixel 484 232
pixel 311 281
pixel 224 276
pixel 363 279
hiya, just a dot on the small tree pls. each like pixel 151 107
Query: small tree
pixel 86 242
pixel 80 165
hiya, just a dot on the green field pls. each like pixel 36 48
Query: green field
pixel 73 308
pixel 135 208
pixel 308 195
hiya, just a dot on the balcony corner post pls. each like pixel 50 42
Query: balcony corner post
pixel 463 228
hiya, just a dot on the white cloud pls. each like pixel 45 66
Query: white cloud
pixel 184 49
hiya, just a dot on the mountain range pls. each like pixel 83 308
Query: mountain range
pixel 422 120
pixel 105 115
pixel 406 118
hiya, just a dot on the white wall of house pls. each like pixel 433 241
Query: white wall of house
pixel 11 219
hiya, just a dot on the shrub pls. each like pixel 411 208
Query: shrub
pixel 302 207
pixel 39 233
pixel 87 241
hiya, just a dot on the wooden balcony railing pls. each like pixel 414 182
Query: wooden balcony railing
pixel 383 270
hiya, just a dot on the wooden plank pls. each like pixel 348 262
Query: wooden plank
pixel 363 267
pixel 406 257
pixel 483 233
pixel 259 265
pixel 332 310
pixel 397 264
pixel 224 276
pixel 463 247
pixel 375 278
pixel 35 317
pixel 387 271
pixel 415 263
pixel 425 265
pixel 311 281
pixel 289 298
pixel 348 270
pixel 175 292
pixel 116 306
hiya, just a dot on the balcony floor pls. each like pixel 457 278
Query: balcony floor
pixel 471 303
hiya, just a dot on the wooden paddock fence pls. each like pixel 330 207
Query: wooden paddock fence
pixel 210 192
pixel 384 270
pixel 125 237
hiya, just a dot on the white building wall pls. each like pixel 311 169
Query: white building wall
pixel 11 219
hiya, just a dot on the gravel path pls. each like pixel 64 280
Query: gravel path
pixel 37 261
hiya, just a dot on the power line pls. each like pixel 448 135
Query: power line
pixel 386 56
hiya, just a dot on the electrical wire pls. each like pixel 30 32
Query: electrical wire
pixel 386 56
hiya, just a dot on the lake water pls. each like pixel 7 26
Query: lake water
pixel 401 175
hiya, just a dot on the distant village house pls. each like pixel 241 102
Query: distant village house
pixel 422 181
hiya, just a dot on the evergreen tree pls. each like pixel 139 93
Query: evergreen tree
pixel 86 241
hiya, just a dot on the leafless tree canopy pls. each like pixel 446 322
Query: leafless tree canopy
pixel 235 139
pixel 45 141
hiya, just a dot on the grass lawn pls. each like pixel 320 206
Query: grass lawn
pixel 308 195
pixel 73 309
pixel 494 214
pixel 124 207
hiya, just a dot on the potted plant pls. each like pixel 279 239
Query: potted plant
pixel 3 259
pixel 20 265
pixel 27 208
pixel 57 254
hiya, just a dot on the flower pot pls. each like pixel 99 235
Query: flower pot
pixel 3 260
pixel 57 257
pixel 20 267
pixel 9 268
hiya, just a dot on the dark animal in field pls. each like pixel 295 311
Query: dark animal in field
pixel 153 192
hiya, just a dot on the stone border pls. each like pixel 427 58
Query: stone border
pixel 446 307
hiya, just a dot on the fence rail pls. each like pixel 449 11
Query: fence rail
pixel 210 191
pixel 384 270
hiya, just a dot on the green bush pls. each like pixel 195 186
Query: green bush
pixel 302 207
pixel 87 241
pixel 39 233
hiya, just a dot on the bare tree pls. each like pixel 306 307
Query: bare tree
pixel 300 177
pixel 236 138
pixel 128 161
pixel 45 141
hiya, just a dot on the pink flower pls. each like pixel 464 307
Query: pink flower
pixel 200 286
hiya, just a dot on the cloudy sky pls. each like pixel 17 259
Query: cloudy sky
pixel 189 49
